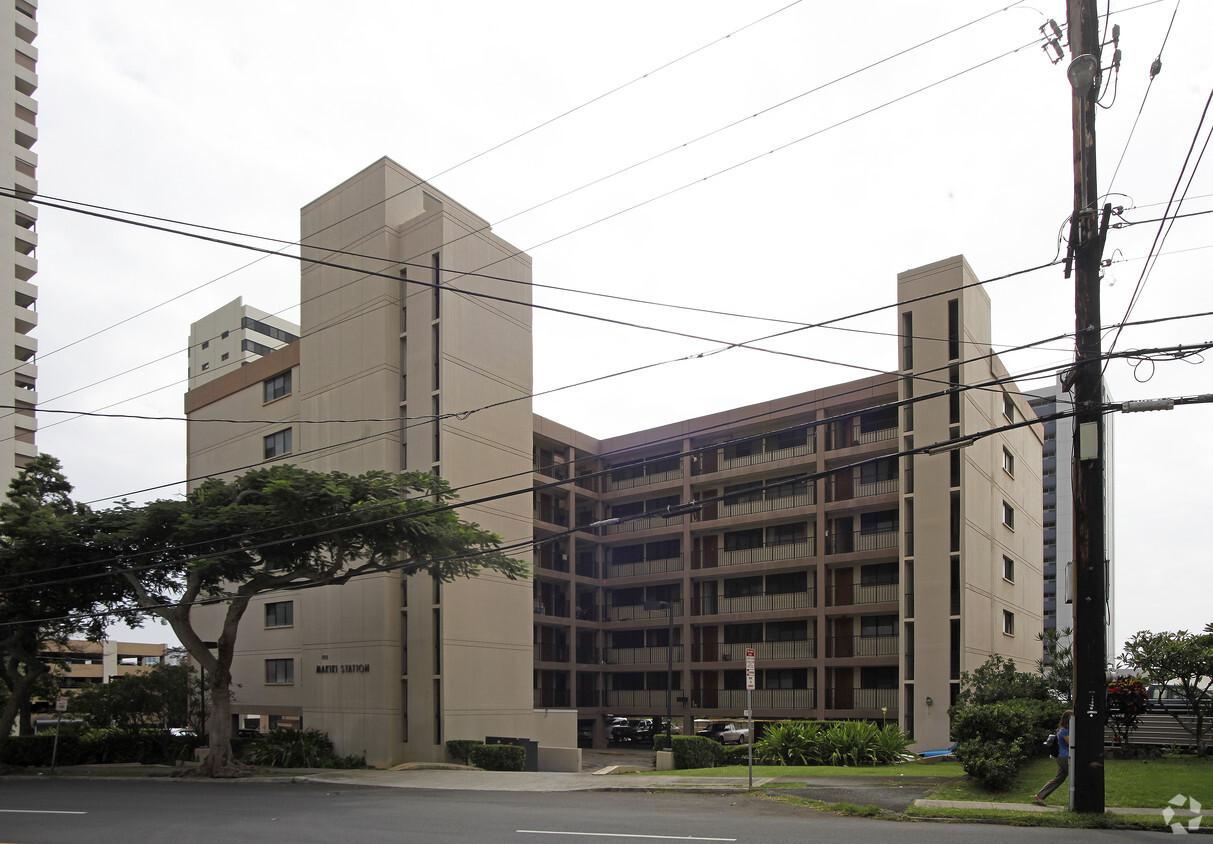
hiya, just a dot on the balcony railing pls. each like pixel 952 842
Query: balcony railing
pixel 647 700
pixel 644 567
pixel 710 558
pixel 767 456
pixel 847 435
pixel 589 698
pixel 647 523
pixel 551 653
pixel 845 596
pixel 798 649
pixel 870 699
pixel 641 656
pixel 745 508
pixel 734 700
pixel 637 612
pixel 552 698
pixel 588 656
pixel 557 609
pixel 844 647
pixel 847 543
pixel 552 515
pixel 714 605
pixel 614 484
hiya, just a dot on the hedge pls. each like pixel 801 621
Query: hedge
pixel 498 757
pixel 694 751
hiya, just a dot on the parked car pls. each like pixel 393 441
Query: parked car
pixel 725 732
pixel 620 729
pixel 646 728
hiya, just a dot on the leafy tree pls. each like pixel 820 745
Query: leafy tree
pixel 1126 704
pixel 45 541
pixel 134 702
pixel 279 527
pixel 1183 661
pixel 996 680
pixel 1057 664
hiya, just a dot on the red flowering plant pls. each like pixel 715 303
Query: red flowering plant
pixel 1126 704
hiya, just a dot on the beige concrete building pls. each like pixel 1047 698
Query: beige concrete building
pixel 88 663
pixel 17 426
pixel 865 578
pixel 233 336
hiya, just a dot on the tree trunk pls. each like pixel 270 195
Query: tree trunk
pixel 20 693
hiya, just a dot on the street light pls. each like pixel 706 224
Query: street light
pixel 669 677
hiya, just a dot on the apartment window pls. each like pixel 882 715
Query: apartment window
pixel 205 366
pixel 279 672
pixel 1008 407
pixel 224 356
pixel 1008 622
pixel 1008 515
pixel 787 534
pixel 907 340
pixel 280 614
pixel 1008 569
pixel 741 540
pixel 1008 462
pixel 206 344
pixel 278 386
pixel 878 625
pixel 277 444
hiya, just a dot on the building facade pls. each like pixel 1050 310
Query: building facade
pixel 1057 473
pixel 233 336
pixel 88 663
pixel 18 425
pixel 864 577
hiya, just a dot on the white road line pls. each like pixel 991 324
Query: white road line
pixel 39 812
pixel 620 835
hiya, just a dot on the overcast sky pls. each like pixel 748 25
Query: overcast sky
pixel 835 177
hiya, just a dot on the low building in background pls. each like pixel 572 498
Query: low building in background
pixel 86 663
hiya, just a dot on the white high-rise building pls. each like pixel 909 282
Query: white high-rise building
pixel 18 426
pixel 233 336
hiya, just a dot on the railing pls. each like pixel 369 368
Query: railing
pixel 745 556
pixel 768 456
pixel 647 523
pixel 551 653
pixel 553 562
pixel 714 605
pixel 885 487
pixel 613 484
pixel 649 700
pixel 552 515
pixel 847 543
pixel 641 656
pixel 852 646
pixel 556 609
pixel 744 508
pixel 735 699
pixel 586 613
pixel 844 596
pixel 551 698
pixel 644 567
pixel 870 699
pixel 798 649
pixel 637 612
pixel 588 656
pixel 847 436
pixel 589 698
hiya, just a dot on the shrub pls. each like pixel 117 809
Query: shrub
pixel 35 751
pixel 993 764
pixel 461 749
pixel 791 743
pixel 298 749
pixel 995 739
pixel 498 757
pixel 694 751
pixel 1127 700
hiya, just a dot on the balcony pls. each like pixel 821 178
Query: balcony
pixel 647 700
pixel 551 653
pixel 713 605
pixel 644 567
pixel 555 608
pixel 645 523
pixel 847 647
pixel 637 612
pixel 764 505
pixel 759 457
pixel 735 652
pixel 845 596
pixel 711 558
pixel 848 543
pixel 872 700
pixel 589 698
pixel 641 656
pixel 734 700
pixel 864 430
pixel 588 656
pixel 639 477
pixel 552 698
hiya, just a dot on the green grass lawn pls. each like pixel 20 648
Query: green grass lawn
pixel 1127 783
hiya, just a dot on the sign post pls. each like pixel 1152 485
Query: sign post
pixel 750 674
pixel 60 708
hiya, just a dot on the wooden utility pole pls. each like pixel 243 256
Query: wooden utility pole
pixel 1090 586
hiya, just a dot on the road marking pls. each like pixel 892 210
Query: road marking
pixel 620 835
pixel 39 812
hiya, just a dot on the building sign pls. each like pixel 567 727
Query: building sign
pixel 349 668
pixel 750 673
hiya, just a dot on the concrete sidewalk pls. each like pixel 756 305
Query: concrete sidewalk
pixel 1180 814
pixel 474 780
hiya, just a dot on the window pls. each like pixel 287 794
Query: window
pixel 878 625
pixel 1008 622
pixel 223 336
pixel 787 534
pixel 277 387
pixel 1008 569
pixel 279 672
pixel 1008 462
pixel 878 574
pixel 278 443
pixel 206 344
pixel 741 540
pixel 1008 515
pixel 280 614
pixel 1008 407
pixel 205 366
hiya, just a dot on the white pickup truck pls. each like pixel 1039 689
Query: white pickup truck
pixel 726 732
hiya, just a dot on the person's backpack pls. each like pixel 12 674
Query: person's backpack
pixel 1053 745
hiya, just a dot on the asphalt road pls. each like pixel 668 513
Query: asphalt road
pixel 183 812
